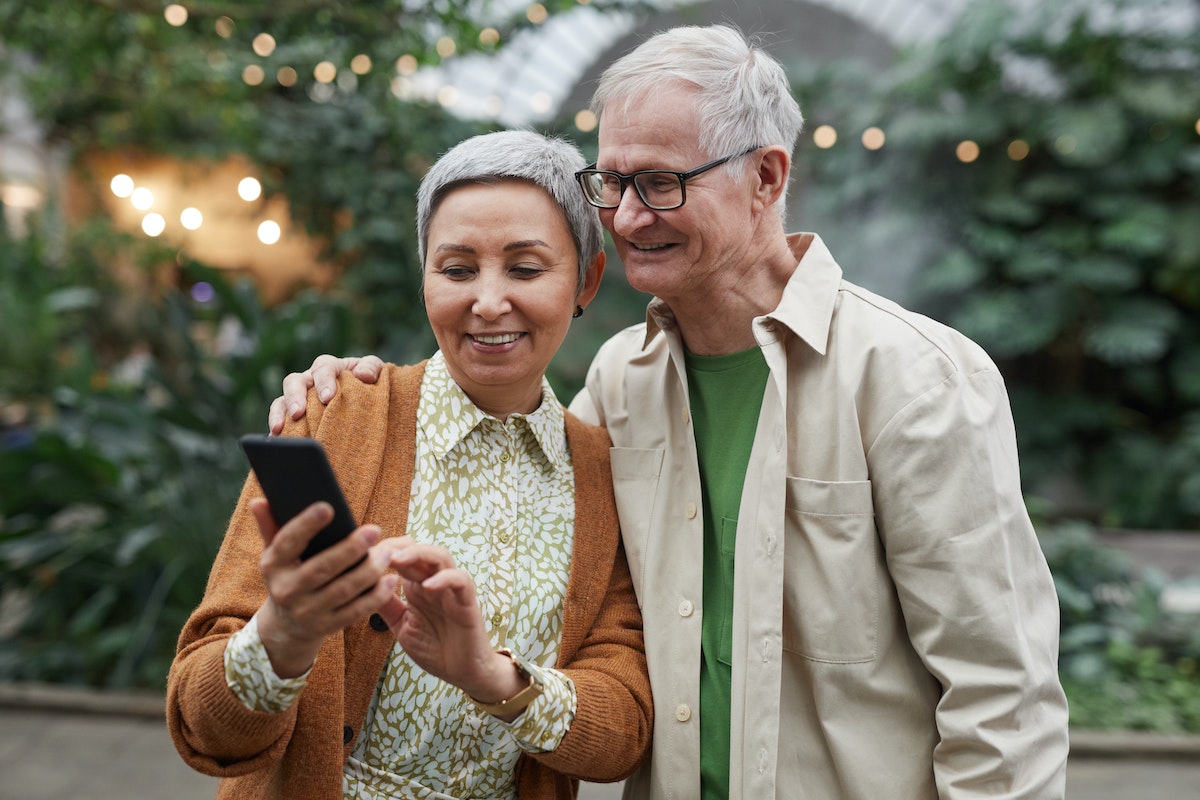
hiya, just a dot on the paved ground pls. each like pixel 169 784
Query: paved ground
pixel 116 748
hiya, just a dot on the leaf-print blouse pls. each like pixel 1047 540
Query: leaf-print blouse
pixel 500 497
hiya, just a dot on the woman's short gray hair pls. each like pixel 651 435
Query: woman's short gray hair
pixel 546 161
pixel 744 97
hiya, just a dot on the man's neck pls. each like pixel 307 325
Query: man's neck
pixel 719 320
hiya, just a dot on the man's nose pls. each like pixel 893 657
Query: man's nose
pixel 631 213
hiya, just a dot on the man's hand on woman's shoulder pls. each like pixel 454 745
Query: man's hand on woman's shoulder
pixel 323 375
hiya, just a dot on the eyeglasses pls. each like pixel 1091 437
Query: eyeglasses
pixel 659 189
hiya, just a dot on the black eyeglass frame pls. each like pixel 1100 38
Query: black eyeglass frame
pixel 626 180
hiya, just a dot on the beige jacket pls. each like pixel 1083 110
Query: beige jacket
pixel 299 754
pixel 895 624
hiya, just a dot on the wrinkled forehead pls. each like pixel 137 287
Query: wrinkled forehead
pixel 650 130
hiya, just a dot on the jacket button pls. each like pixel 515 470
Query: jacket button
pixel 347 734
pixel 377 623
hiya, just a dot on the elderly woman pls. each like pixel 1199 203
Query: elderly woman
pixel 510 664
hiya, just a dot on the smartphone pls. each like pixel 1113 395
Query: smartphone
pixel 294 473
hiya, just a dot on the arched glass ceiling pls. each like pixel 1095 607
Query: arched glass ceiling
pixel 527 82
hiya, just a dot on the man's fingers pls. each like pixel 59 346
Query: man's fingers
pixel 325 369
pixel 295 393
pixel 368 369
pixel 277 416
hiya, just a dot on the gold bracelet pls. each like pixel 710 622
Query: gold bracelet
pixel 518 701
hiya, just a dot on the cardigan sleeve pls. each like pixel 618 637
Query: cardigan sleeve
pixel 212 729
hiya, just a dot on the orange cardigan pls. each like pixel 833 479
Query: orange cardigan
pixel 298 754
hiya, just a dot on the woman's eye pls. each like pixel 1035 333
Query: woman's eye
pixel 526 271
pixel 456 273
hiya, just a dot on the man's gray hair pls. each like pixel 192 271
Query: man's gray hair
pixel 546 161
pixel 744 97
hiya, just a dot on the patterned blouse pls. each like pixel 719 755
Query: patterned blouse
pixel 500 497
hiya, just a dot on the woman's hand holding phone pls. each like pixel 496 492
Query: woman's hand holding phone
pixel 309 599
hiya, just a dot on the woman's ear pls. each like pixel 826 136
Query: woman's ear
pixel 591 280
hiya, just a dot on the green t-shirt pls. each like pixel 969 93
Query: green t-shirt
pixel 726 394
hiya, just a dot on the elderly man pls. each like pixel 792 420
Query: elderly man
pixel 818 490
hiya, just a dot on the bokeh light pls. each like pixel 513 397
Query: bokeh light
pixel 191 218
pixel 121 185
pixel 406 64
pixel 536 13
pixel 585 121
pixel 286 76
pixel 967 151
pixel 263 44
pixel 446 47
pixel 448 96
pixel 249 189
pixel 142 198
pixel 203 292
pixel 269 232
pixel 175 15
pixel 1018 149
pixel 825 136
pixel 253 75
pixel 325 72
pixel 153 224
pixel 873 138
pixel 360 64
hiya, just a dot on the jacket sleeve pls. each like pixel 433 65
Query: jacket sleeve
pixel 976 593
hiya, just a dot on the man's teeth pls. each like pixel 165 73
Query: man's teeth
pixel 644 247
pixel 503 338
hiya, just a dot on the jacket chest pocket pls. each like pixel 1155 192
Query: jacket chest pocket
pixel 635 474
pixel 834 572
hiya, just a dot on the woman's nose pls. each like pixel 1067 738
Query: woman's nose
pixel 491 299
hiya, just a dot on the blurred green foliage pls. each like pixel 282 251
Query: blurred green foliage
pixel 122 400
pixel 1069 246
pixel 1125 661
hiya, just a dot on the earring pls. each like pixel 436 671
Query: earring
pixel 578 312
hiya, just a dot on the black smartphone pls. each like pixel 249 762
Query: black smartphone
pixel 294 473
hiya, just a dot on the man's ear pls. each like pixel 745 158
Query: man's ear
pixel 774 165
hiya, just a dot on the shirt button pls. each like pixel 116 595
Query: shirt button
pixel 691 511
pixel 682 712
pixel 504 457
pixel 685 608
pixel 377 623
pixel 503 538
pixel 347 735
pixel 497 619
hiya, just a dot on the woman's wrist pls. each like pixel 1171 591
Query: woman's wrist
pixel 290 657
